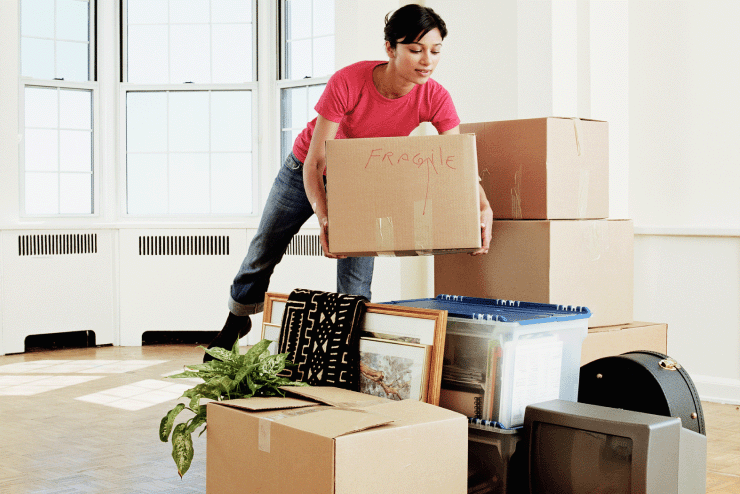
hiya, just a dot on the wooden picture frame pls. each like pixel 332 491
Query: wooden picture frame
pixel 387 321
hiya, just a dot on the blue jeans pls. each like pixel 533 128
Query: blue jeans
pixel 286 210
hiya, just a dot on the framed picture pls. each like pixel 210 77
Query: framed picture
pixel 393 369
pixel 271 332
pixel 398 323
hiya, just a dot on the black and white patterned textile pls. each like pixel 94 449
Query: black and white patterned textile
pixel 320 332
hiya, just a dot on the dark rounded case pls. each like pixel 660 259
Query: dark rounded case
pixel 643 381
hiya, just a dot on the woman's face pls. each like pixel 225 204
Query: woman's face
pixel 416 61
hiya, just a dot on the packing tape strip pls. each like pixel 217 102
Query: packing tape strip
pixel 384 238
pixel 516 194
pixel 263 435
pixel 583 179
pixel 578 129
pixel 423 227
pixel 597 239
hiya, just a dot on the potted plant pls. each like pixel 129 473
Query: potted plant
pixel 231 375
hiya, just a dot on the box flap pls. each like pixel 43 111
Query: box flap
pixel 334 396
pixel 260 403
pixel 331 421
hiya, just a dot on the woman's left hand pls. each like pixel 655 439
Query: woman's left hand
pixel 486 225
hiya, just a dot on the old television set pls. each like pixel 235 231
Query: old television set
pixel 581 448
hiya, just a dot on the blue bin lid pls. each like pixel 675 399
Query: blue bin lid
pixel 498 310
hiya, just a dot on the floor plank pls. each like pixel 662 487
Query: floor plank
pixel 55 442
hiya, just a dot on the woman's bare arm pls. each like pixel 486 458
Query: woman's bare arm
pixel 313 177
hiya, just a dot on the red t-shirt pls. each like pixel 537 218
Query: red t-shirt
pixel 351 99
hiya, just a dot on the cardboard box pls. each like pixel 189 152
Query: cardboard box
pixel 544 168
pixel 616 340
pixel 329 440
pixel 585 263
pixel 403 195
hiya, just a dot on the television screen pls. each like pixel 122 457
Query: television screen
pixel 580 448
pixel 607 470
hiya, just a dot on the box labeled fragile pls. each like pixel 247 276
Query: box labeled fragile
pixel 403 195
pixel 324 440
pixel 544 168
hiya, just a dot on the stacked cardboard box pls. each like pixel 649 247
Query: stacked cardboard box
pixel 547 180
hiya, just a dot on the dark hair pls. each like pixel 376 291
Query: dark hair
pixel 410 23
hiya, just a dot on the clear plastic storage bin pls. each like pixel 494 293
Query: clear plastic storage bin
pixel 502 355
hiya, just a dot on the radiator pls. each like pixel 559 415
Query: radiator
pixel 56 281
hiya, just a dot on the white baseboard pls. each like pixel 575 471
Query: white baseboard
pixel 718 389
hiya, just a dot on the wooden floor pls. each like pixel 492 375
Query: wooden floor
pixel 90 425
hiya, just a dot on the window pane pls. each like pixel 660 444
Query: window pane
pixel 147 11
pixel 323 61
pixel 146 122
pixel 188 121
pixel 189 11
pixel 231 121
pixel 73 20
pixel 75 109
pixel 64 51
pixel 41 107
pixel 294 104
pixel 323 17
pixel 148 54
pixel 231 189
pixel 42 193
pixel 231 11
pixel 190 46
pixel 189 183
pixel 146 184
pixel 42 150
pixel 75 193
pixel 198 41
pixel 37 58
pixel 72 61
pixel 314 93
pixel 75 151
pixel 298 15
pixel 37 18
pixel 235 64
pixel 299 59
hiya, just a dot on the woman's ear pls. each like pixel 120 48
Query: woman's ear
pixel 391 52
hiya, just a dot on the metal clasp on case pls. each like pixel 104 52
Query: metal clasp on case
pixel 669 364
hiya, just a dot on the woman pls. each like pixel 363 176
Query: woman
pixel 366 99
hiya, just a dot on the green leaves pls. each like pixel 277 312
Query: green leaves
pixel 234 375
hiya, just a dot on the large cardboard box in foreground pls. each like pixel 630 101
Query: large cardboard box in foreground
pixel 616 340
pixel 544 168
pixel 588 263
pixel 403 195
pixel 324 440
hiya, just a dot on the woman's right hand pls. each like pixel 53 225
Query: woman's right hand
pixel 324 237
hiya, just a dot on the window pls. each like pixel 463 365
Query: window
pixel 307 59
pixel 188 106
pixel 58 107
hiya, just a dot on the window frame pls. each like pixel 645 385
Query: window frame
pixel 281 70
pixel 126 88
pixel 254 87
pixel 91 85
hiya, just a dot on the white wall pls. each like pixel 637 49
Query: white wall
pixel 684 182
pixel 665 76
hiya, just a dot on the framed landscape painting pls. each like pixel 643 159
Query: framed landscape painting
pixel 393 369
